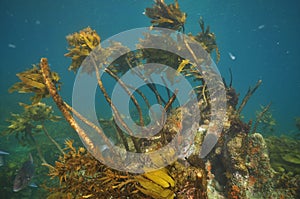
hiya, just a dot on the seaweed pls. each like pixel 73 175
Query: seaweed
pixel 265 121
pixel 32 81
pixel 80 46
pixel 246 170
pixel 207 39
pixel 30 121
pixel 166 16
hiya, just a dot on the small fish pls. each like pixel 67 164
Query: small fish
pixel 2 158
pixel 24 175
pixel 12 46
pixel 232 57
pixel 3 153
pixel 261 26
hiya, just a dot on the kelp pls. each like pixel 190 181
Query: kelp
pixel 166 16
pixel 31 121
pixel 265 122
pixel 86 40
pixel 207 39
pixel 80 45
pixel 32 81
pixel 81 176
pixel 239 158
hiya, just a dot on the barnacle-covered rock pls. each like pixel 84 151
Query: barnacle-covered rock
pixel 190 180
pixel 260 179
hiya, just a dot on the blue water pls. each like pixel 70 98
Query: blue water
pixel 263 35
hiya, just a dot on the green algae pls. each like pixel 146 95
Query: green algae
pixel 284 154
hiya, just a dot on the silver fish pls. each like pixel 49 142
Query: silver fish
pixel 24 176
pixel 3 153
pixel 2 158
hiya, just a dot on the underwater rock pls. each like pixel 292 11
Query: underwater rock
pixel 260 179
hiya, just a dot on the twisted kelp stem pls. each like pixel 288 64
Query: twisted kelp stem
pixel 90 124
pixel 40 154
pixel 116 112
pixel 259 117
pixel 51 139
pixel 248 95
pixel 129 94
pixel 171 100
pixel 65 111
pixel 166 86
pixel 151 86
pixel 141 94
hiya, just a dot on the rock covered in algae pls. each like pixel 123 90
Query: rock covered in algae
pixel 260 179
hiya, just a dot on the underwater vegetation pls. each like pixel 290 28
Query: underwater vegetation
pixel 285 160
pixel 265 121
pixel 32 82
pixel 243 164
pixel 31 121
pixel 166 16
pixel 80 46
pixel 284 154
